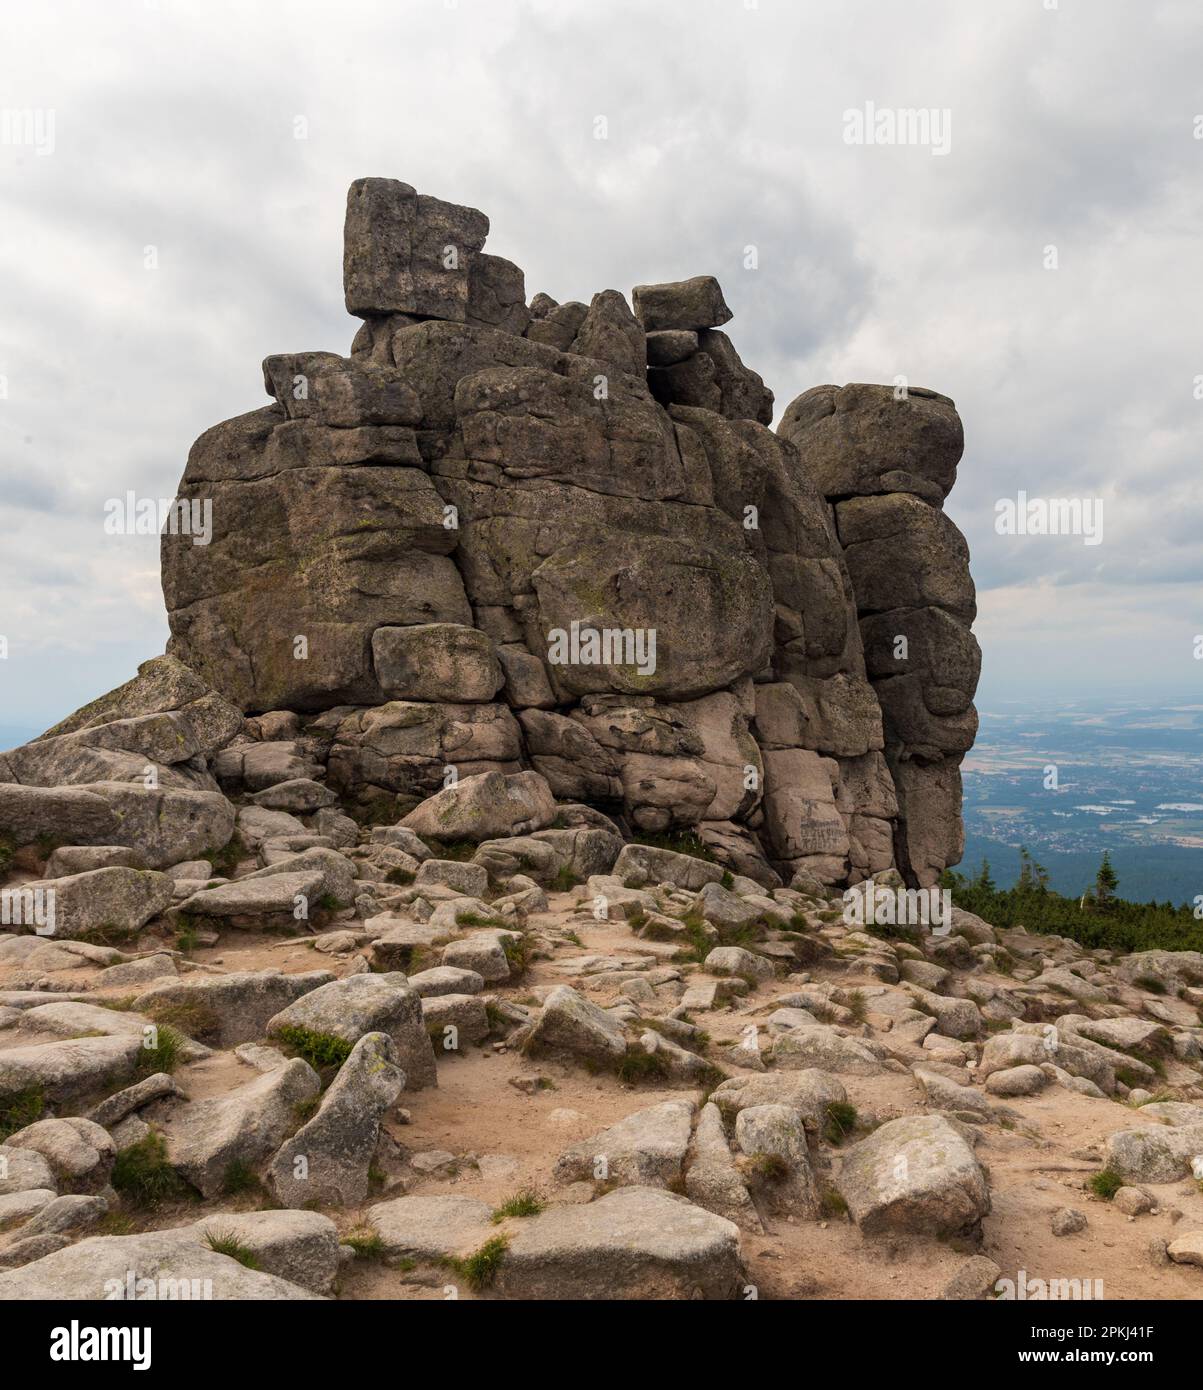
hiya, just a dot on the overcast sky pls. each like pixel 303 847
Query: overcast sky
pixel 173 126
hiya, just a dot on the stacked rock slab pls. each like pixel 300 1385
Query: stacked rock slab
pixel 456 547
pixel 885 459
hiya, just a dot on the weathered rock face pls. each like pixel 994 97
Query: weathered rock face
pixel 885 459
pixel 498 537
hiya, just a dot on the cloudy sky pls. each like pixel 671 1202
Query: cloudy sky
pixel 174 213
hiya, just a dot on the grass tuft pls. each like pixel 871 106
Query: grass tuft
pixel 318 1049
pixel 523 1203
pixel 367 1243
pixel 839 1121
pixel 225 1243
pixel 1105 1183
pixel 239 1177
pixel 164 1055
pixel 143 1176
pixel 479 1270
pixel 19 1109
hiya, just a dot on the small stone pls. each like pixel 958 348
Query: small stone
pixel 1068 1221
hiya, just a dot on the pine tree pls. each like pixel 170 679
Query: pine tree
pixel 983 880
pixel 1026 880
pixel 1106 882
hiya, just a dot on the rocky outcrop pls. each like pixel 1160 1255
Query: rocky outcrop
pixel 497 538
pixel 885 459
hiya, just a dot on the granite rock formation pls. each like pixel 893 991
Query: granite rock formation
pixel 501 536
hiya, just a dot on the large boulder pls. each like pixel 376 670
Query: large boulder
pixel 359 1004
pixel 240 1129
pixel 644 1149
pixel 1161 1153
pixel 573 1025
pixel 327 1161
pixel 157 1264
pixel 869 439
pixel 917 1175
pixel 116 899
pixel 227 1010
pixel 633 1243
pixel 488 806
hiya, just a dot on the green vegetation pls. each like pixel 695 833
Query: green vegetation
pixel 639 1066
pixel 239 1177
pixel 306 1109
pixel 479 1269
pixel 367 1243
pixel 227 1244
pixel 226 859
pixel 833 1202
pixel 462 850
pixel 190 1017
pixel 839 1121
pixel 680 842
pixel 1105 1183
pixel 318 1049
pixel 768 1167
pixel 474 919
pixel 108 934
pixel 7 852
pixel 163 1054
pixel 523 1203
pixel 564 880
pixel 516 950
pixel 1097 920
pixel 19 1109
pixel 143 1175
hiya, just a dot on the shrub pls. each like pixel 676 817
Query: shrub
pixel 190 1017
pixel 142 1174
pixel 226 859
pixel 516 948
pixel 680 842
pixel 839 1121
pixel 639 1066
pixel 768 1167
pixel 833 1202
pixel 1105 1183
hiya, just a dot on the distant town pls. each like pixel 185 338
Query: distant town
pixel 1072 781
